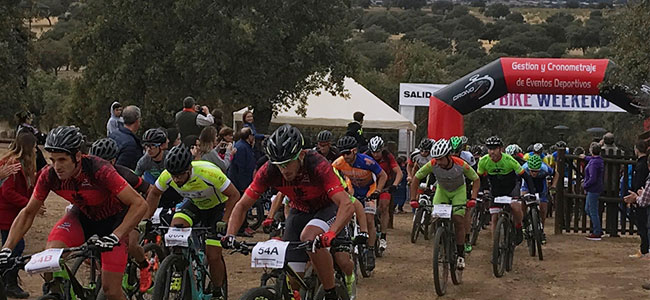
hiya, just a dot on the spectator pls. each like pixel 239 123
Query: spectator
pixel 242 165
pixel 401 192
pixel 217 114
pixel 638 182
pixel 115 121
pixel 248 120
pixel 355 129
pixel 192 119
pixel 593 185
pixel 192 141
pixel 641 198
pixel 14 195
pixel 224 140
pixel 174 137
pixel 25 120
pixel 608 146
pixel 130 147
pixel 209 152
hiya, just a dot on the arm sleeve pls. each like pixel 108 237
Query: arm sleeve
pixel 11 195
pixel 330 181
pixel 469 172
pixel 372 165
pixel 481 167
pixel 529 181
pixel 162 183
pixel 42 188
pixel 202 120
pixel 139 168
pixel 425 170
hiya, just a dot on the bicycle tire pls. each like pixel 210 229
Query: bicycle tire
pixel 163 278
pixel 362 254
pixel 255 220
pixel 440 279
pixel 537 230
pixel 259 293
pixel 530 235
pixel 77 264
pixel 426 232
pixel 499 248
pixel 456 274
pixel 158 255
pixel 510 257
pixel 417 224
pixel 341 291
pixel 476 226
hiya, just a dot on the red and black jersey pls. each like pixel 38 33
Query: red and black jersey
pixel 135 181
pixel 94 190
pixel 387 162
pixel 309 192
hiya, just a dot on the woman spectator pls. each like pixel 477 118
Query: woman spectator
pixel 248 120
pixel 25 120
pixel 14 195
pixel 225 139
pixel 208 150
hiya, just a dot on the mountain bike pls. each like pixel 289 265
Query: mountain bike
pixel 360 250
pixel 533 225
pixel 184 274
pixel 445 255
pixel 480 216
pixel 422 218
pixel 275 283
pixel 503 248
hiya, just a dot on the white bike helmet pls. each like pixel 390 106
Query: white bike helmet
pixel 538 147
pixel 440 148
pixel 376 144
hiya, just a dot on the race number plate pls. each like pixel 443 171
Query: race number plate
pixel 503 200
pixel 46 261
pixel 178 237
pixel 155 219
pixel 269 254
pixel 442 211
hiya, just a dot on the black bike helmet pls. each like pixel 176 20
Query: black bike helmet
pixel 178 160
pixel 493 142
pixel 105 148
pixel 425 144
pixel 154 136
pixel 284 144
pixel 560 144
pixel 324 136
pixel 346 143
pixel 66 139
pixel 478 150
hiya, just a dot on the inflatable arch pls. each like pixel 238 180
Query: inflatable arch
pixel 525 76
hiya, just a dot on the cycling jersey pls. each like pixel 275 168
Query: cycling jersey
pixel 387 162
pixel 150 169
pixel 539 181
pixel 309 192
pixel 468 157
pixel 418 160
pixel 205 186
pixel 547 159
pixel 448 179
pixel 503 174
pixel 332 155
pixel 94 190
pixel 362 174
pixel 134 181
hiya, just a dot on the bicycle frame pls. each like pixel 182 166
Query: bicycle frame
pixel 195 255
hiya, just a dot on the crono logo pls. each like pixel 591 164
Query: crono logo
pixel 477 88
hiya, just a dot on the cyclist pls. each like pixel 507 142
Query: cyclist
pixel 387 162
pixel 320 207
pixel 458 146
pixel 538 148
pixel 104 204
pixel 504 173
pixel 367 179
pixel 419 158
pixel 515 151
pixel 539 171
pixel 209 199
pixel 151 165
pixel 325 147
pixel 450 171
pixel 107 149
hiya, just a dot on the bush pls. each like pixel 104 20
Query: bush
pixel 375 34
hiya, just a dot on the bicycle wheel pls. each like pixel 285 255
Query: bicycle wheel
pixel 417 224
pixel 172 279
pixel 427 229
pixel 500 247
pixel 259 293
pixel 88 272
pixel 510 241
pixel 255 215
pixel 362 255
pixel 537 232
pixel 476 226
pixel 452 256
pixel 530 234
pixel 440 263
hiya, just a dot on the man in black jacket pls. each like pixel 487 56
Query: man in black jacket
pixel 355 130
pixel 638 181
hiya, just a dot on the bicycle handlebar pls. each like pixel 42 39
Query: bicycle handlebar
pixel 245 247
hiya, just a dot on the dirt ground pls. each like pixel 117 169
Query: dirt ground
pixel 574 268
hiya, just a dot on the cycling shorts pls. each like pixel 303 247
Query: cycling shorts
pixel 457 197
pixel 384 196
pixel 202 217
pixel 75 228
pixel 298 220
pixel 369 206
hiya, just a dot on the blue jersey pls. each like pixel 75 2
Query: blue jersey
pixel 540 180
pixel 363 174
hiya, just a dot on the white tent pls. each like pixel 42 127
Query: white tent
pixel 325 110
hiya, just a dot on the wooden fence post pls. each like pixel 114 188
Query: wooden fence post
pixel 560 204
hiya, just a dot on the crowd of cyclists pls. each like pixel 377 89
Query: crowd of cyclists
pixel 321 188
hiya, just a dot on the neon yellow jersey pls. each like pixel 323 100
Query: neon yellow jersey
pixel 205 186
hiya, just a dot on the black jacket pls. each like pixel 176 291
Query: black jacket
pixel 355 130
pixel 640 173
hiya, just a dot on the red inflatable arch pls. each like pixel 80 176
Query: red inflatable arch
pixel 520 75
